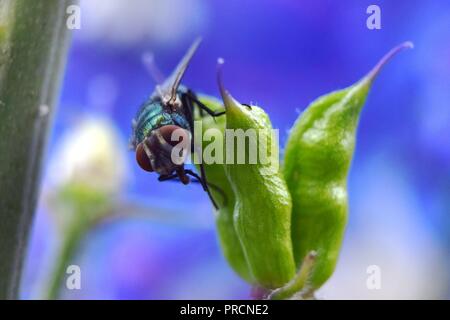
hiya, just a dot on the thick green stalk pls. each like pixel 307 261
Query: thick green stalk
pixel 33 47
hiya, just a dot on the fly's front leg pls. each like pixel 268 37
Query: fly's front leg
pixel 167 177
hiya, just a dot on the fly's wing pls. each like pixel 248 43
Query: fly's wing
pixel 168 90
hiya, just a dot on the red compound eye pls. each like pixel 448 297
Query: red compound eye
pixel 142 159
pixel 175 135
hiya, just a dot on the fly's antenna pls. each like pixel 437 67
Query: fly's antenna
pixel 181 69
pixel 148 60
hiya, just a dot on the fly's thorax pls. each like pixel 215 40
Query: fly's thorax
pixel 154 114
pixel 175 103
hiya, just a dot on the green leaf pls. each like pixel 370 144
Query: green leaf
pixel 262 211
pixel 215 174
pixel 316 165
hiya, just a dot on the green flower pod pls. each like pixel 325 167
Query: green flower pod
pixel 262 212
pixel 215 173
pixel 317 160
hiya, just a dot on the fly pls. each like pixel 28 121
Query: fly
pixel 169 112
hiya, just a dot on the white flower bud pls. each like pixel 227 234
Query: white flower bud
pixel 93 154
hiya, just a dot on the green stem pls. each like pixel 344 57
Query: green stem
pixel 33 47
pixel 70 243
pixel 298 283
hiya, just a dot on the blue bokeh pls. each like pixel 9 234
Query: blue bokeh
pixel 281 55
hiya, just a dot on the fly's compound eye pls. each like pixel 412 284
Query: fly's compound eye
pixel 175 135
pixel 179 141
pixel 142 158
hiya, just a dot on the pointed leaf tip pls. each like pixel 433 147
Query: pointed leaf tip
pixel 387 57
pixel 228 100
pixel 220 63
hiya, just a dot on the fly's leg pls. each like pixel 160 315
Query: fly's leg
pixel 190 116
pixel 212 186
pixel 181 173
pixel 167 177
pixel 219 190
pixel 188 100
pixel 191 96
pixel 182 178
pixel 202 179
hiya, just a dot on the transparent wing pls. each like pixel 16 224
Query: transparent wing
pixel 168 90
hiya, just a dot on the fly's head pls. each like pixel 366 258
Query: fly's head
pixel 164 150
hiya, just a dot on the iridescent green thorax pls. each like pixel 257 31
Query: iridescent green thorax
pixel 153 115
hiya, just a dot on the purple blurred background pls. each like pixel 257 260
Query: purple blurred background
pixel 281 55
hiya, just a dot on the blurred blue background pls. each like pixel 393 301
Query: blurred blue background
pixel 280 55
